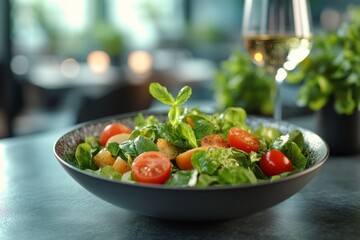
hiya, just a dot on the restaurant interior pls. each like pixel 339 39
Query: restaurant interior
pixel 75 73
pixel 64 62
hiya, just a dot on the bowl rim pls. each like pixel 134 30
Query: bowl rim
pixel 77 127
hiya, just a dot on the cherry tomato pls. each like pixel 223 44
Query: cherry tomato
pixel 243 140
pixel 151 167
pixel 111 130
pixel 275 162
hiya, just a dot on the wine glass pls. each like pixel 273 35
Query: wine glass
pixel 277 35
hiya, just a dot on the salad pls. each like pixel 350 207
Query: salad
pixel 191 148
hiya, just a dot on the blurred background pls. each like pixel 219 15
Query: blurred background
pixel 64 62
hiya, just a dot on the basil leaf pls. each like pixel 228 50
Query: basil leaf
pixel 114 148
pixel 183 95
pixel 294 136
pixel 149 131
pixel 196 115
pixel 294 153
pixel 202 128
pixel 161 93
pixel 292 145
pixel 166 131
pixel 135 147
pixel 204 124
pixel 188 134
pixel 233 117
pixel 144 145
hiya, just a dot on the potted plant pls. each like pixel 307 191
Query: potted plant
pixel 239 83
pixel 330 84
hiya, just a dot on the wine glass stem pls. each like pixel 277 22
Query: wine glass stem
pixel 278 102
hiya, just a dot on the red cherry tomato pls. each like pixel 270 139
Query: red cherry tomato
pixel 151 167
pixel 111 130
pixel 243 140
pixel 275 162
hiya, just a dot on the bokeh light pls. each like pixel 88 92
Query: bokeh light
pixel 140 62
pixel 330 19
pixel 98 61
pixel 281 74
pixel 258 57
pixel 19 65
pixel 70 68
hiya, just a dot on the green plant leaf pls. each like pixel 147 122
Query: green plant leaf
pixel 203 163
pixel 236 175
pixel 181 178
pixel 332 70
pixel 161 93
pixel 83 155
pixel 173 115
pixel 344 102
pixel 239 83
pixel 188 134
pixel 183 95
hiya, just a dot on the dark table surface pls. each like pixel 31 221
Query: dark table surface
pixel 38 200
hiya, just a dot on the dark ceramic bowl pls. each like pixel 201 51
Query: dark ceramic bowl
pixel 191 204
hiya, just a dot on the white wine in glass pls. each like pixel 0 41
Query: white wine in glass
pixel 277 35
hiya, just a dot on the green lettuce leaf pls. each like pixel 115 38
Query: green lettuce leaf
pixel 83 155
pixel 134 147
pixel 107 171
pixel 204 162
pixel 294 136
pixel 205 180
pixel 183 178
pixel 236 175
pixel 292 145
